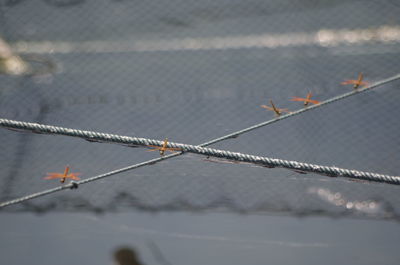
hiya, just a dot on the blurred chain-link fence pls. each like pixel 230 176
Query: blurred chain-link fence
pixel 193 71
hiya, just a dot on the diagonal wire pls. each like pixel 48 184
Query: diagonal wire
pixel 94 136
pixel 235 156
pixel 103 137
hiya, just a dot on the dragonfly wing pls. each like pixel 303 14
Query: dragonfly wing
pixel 154 146
pixel 57 175
pixel 360 77
pixel 348 82
pixel 267 107
pixel 54 176
pixel 73 175
pixel 174 149
pixel 313 101
pixel 298 99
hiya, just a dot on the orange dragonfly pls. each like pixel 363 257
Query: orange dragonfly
pixel 63 176
pixel 163 148
pixel 306 100
pixel 357 82
pixel 277 111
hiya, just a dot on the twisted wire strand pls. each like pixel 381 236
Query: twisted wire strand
pixel 268 162
pixel 235 156
pixel 265 161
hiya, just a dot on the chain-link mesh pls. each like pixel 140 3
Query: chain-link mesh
pixel 193 71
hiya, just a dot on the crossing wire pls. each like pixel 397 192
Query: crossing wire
pixel 134 141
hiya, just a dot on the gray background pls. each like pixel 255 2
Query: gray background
pixel 192 95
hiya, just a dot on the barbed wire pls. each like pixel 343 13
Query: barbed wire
pixel 134 141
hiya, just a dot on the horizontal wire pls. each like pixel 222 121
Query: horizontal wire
pixel 235 156
pixel 134 141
